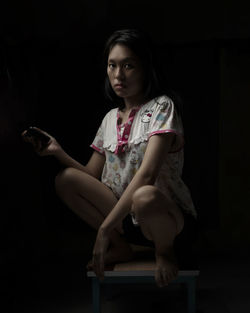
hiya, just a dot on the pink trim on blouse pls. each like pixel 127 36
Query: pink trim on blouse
pixel 97 149
pixel 168 131
pixel 122 140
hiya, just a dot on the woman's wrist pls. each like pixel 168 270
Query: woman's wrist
pixel 59 153
pixel 62 156
pixel 104 229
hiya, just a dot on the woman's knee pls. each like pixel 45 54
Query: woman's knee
pixel 144 199
pixel 64 179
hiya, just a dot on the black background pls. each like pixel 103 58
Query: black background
pixel 51 77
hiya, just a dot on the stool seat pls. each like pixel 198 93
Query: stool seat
pixel 140 271
pixel 138 268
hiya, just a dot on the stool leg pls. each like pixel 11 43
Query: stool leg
pixel 96 295
pixel 108 291
pixel 191 295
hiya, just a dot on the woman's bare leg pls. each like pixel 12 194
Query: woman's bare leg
pixel 160 220
pixel 92 201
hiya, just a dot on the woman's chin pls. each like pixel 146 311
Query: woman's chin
pixel 120 94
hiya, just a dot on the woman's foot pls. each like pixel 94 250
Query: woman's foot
pixel 166 268
pixel 115 254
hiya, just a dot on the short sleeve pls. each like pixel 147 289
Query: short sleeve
pixel 165 119
pixel 97 144
pixel 106 136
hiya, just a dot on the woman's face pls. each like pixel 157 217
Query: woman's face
pixel 125 73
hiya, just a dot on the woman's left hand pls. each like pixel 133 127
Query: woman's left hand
pixel 99 252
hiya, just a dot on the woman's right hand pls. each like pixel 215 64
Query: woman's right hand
pixel 42 149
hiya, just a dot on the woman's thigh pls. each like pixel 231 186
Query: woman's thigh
pixel 86 186
pixel 150 203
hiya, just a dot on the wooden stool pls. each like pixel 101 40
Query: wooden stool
pixel 140 271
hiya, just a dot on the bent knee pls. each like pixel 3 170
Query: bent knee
pixel 149 200
pixel 64 179
pixel 144 198
pixel 145 194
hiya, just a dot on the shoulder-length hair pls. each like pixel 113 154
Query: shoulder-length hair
pixel 155 82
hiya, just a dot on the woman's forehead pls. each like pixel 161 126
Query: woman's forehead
pixel 121 52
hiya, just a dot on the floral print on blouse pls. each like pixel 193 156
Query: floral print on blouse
pixel 124 146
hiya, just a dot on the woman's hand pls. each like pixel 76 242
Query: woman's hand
pixel 99 252
pixel 43 149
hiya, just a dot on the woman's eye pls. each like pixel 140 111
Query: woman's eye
pixel 111 65
pixel 128 66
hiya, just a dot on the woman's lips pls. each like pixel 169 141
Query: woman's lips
pixel 119 86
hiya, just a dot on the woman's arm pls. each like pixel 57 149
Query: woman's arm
pixel 157 148
pixel 94 167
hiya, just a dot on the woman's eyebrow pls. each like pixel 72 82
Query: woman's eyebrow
pixel 122 60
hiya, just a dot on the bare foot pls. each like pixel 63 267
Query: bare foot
pixel 166 269
pixel 115 254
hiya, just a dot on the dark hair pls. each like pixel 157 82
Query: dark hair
pixel 155 80
pixel 141 45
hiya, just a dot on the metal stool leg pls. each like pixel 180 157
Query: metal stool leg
pixel 191 295
pixel 96 295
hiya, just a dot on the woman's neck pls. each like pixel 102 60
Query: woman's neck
pixel 131 103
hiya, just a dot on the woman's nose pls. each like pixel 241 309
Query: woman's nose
pixel 119 73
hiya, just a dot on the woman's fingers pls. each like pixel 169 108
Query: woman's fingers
pixel 98 265
pixel 36 144
pixel 101 268
pixel 40 146
pixel 42 131
pixel 158 278
pixel 99 251
pixel 25 137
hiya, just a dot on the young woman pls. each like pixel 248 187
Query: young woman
pixel 131 189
